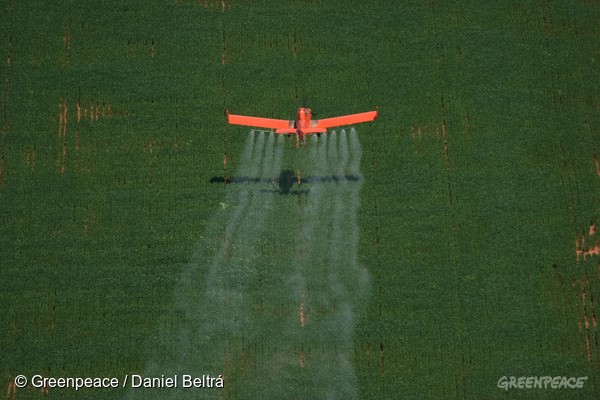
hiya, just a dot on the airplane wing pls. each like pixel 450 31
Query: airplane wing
pixel 258 122
pixel 347 119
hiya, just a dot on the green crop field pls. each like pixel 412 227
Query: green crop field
pixel 432 254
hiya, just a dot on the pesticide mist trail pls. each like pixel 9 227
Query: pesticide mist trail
pixel 271 296
pixel 327 279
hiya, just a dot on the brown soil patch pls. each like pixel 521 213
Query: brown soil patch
pixel 78 135
pixel 62 133
pixel 92 114
pixel 586 321
pixel 418 131
pixel 579 322
pixel 582 251
pixel 31 158
pixel 594 251
pixel 303 314
pixel 66 47
pixel 580 289
pixel 224 51
pixel 11 393
pixel 64 157
pixel 95 110
pixel 89 160
pixel 60 118
pixel 597 165
pixel 65 111
pixel 584 304
pixel 593 310
pixel 584 296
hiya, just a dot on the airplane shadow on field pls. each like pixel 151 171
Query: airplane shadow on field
pixel 285 182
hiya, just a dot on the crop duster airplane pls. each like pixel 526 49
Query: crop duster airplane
pixel 304 124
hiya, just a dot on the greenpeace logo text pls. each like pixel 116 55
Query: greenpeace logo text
pixel 541 382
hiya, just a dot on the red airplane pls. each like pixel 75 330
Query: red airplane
pixel 304 124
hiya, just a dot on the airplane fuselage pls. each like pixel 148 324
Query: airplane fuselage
pixel 303 118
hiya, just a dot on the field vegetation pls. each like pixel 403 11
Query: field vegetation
pixel 458 244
